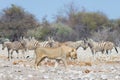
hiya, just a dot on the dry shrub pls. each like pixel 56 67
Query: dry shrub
pixel 113 62
pixel 85 63
pixel 86 71
pixel 71 63
pixel 49 63
pixel 79 63
pixel 18 62
pixel 53 63
pixel 115 57
pixel 25 63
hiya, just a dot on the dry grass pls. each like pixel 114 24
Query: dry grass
pixel 85 63
pixel 81 63
pixel 113 62
pixel 49 63
pixel 18 62
pixel 3 57
pixel 25 63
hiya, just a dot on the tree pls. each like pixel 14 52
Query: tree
pixel 15 21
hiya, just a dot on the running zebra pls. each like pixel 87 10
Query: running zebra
pixel 13 46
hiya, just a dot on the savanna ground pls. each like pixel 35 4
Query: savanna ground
pixel 105 67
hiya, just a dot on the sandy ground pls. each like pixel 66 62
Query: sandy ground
pixel 103 67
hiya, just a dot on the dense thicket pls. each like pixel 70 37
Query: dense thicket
pixel 71 24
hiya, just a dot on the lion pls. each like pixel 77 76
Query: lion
pixel 59 53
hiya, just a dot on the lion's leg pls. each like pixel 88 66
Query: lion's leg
pixel 38 60
pixel 56 62
pixel 65 63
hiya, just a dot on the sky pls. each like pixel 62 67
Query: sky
pixel 49 8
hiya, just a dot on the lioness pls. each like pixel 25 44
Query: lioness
pixel 70 52
pixel 59 53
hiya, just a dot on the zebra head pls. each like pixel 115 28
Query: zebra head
pixel 90 42
pixel 4 45
pixel 85 45
pixel 82 44
pixel 23 42
pixel 4 41
pixel 51 41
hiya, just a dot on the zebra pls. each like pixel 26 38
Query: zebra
pixel 77 44
pixel 13 46
pixel 102 46
pixel 81 43
pixel 32 43
pixel 109 46
pixel 45 44
pixel 96 46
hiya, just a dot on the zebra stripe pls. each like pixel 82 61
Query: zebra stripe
pixel 44 44
pixel 76 44
pixel 102 46
pixel 30 44
pixel 96 46
pixel 109 46
pixel 13 46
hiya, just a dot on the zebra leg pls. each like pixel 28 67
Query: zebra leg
pixel 110 51
pixel 110 55
pixel 23 53
pixel 116 49
pixel 107 52
pixel 8 54
pixel 103 51
pixel 11 53
pixel 95 55
pixel 17 53
pixel 92 52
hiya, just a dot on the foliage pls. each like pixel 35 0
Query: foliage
pixel 63 32
pixel 69 24
pixel 16 21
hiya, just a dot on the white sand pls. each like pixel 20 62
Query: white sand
pixel 106 67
